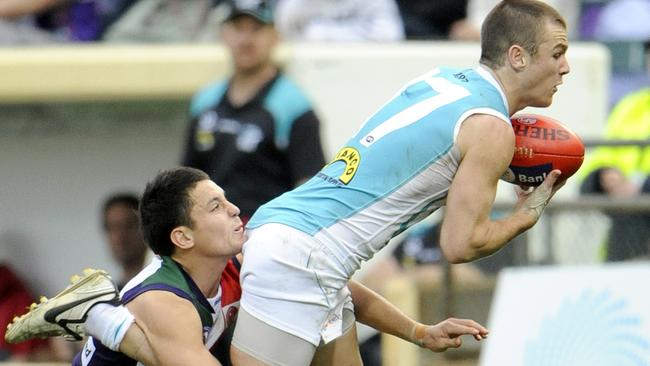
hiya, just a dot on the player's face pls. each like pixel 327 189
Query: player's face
pixel 250 42
pixel 217 229
pixel 547 66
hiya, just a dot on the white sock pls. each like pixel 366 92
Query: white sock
pixel 109 323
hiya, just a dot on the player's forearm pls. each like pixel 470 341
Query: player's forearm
pixel 490 236
pixel 374 311
pixel 499 233
pixel 485 239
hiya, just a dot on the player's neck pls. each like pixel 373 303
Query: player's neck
pixel 244 85
pixel 508 83
pixel 205 272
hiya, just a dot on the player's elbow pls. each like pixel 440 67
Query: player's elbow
pixel 458 252
pixel 457 259
pixel 464 250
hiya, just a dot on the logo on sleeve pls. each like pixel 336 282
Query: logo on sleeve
pixel 350 156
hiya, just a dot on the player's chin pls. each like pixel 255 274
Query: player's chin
pixel 240 237
pixel 543 102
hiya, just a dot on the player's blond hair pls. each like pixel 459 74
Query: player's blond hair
pixel 515 22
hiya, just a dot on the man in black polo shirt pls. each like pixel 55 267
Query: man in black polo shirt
pixel 255 134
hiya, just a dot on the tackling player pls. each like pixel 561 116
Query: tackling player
pixel 185 300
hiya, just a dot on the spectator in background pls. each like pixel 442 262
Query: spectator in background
pixel 628 120
pixel 123 234
pixel 623 20
pixel 12 9
pixel 164 21
pixel 623 26
pixel 620 172
pixel 629 233
pixel 56 21
pixel 18 22
pixel 441 19
pixel 255 134
pixel 110 11
pixel 339 20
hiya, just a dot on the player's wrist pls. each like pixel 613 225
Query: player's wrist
pixel 524 218
pixel 537 201
pixel 109 324
pixel 418 332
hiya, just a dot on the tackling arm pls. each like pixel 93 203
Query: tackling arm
pixel 375 311
pixel 135 345
pixel 171 328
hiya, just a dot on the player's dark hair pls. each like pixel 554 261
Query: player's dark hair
pixel 166 204
pixel 520 22
pixel 128 199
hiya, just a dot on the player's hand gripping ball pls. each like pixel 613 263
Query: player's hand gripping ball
pixel 541 145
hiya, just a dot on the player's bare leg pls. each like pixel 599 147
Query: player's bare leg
pixel 241 358
pixel 343 351
pixel 256 343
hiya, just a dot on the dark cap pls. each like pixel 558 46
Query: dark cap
pixel 258 9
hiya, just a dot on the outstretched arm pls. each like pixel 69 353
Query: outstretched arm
pixel 468 233
pixel 171 328
pixel 375 311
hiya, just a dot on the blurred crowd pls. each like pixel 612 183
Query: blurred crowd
pixel 43 21
pixel 232 104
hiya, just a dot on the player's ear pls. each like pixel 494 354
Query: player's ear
pixel 182 237
pixel 517 57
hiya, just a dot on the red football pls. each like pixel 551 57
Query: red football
pixel 541 145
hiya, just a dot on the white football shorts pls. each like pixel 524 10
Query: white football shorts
pixel 293 282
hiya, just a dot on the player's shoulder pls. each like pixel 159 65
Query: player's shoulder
pixel 207 97
pixel 488 122
pixel 156 304
pixel 158 296
pixel 286 100
pixel 162 314
pixel 287 104
pixel 285 86
pixel 487 132
pixel 459 75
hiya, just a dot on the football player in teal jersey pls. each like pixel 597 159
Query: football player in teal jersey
pixel 444 139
